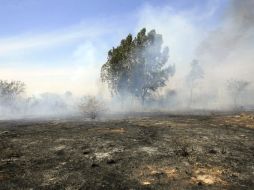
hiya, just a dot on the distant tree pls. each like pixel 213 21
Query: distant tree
pixel 31 102
pixel 137 66
pixel 236 88
pixel 9 91
pixel 195 75
pixel 91 107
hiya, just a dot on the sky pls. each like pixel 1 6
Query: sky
pixel 60 45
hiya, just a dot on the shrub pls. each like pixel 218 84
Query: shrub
pixel 91 107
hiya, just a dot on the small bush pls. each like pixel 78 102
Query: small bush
pixel 91 107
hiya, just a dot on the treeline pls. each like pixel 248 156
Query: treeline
pixel 14 102
pixel 138 68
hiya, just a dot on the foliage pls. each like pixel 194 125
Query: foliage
pixel 137 66
pixel 196 73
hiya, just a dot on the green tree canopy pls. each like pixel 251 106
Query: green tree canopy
pixel 138 66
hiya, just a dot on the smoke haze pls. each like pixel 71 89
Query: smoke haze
pixel 223 48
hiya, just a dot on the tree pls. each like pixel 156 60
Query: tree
pixel 137 66
pixel 195 75
pixel 236 88
pixel 91 107
pixel 9 91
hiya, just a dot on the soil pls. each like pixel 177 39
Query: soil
pixel 143 152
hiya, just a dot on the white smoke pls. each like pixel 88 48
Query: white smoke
pixel 225 51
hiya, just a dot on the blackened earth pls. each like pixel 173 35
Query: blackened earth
pixel 143 152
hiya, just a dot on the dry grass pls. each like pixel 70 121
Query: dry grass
pixel 208 175
pixel 151 174
pixel 110 130
pixel 155 174
pixel 243 119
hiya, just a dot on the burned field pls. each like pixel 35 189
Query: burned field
pixel 144 152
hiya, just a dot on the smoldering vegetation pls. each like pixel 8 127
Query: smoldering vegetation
pixel 15 104
pixel 227 55
pixel 140 76
pixel 219 78
pixel 145 129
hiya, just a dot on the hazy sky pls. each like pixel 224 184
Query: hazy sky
pixel 60 45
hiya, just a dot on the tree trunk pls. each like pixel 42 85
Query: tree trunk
pixel 143 97
pixel 143 100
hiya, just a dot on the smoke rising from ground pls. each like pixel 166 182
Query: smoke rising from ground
pixel 224 51
pixel 227 52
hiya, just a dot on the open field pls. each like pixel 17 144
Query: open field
pixel 142 152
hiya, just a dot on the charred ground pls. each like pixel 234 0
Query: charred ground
pixel 142 152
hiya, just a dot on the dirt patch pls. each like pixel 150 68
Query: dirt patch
pixel 208 176
pixel 152 174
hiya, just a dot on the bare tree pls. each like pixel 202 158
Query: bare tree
pixel 195 75
pixel 91 107
pixel 236 88
pixel 9 91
